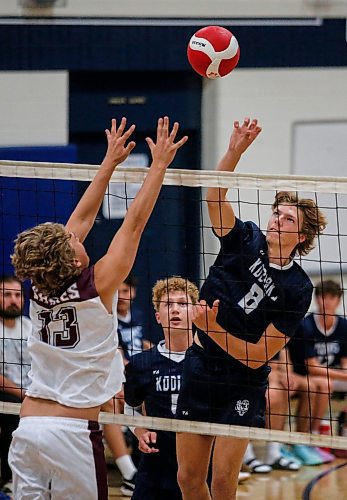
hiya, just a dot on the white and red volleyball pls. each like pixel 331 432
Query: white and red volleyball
pixel 213 51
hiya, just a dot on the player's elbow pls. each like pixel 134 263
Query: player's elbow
pixel 254 364
pixel 214 196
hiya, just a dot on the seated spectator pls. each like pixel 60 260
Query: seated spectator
pixel 14 363
pixel 313 398
pixel 321 347
pixel 323 337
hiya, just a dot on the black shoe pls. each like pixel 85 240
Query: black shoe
pixel 128 486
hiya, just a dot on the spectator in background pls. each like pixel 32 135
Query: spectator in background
pixel 321 339
pixel 313 399
pixel 130 320
pixel 319 347
pixel 14 362
pixel 131 341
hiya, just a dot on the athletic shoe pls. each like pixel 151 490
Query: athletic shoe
pixel 283 463
pixel 7 487
pixel 325 455
pixel 307 455
pixel 286 453
pixel 6 490
pixel 128 486
pixel 243 476
pixel 257 467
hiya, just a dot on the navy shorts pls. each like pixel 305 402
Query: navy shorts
pixel 215 391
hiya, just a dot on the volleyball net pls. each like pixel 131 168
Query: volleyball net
pixel 179 241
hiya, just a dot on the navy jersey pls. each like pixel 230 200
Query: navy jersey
pixel 310 341
pixel 130 333
pixel 153 377
pixel 253 292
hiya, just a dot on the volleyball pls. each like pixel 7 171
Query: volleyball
pixel 213 52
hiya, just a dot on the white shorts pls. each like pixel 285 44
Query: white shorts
pixel 59 459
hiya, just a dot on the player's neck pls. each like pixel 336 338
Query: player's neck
pixel 326 320
pixel 123 311
pixel 279 255
pixel 279 260
pixel 178 342
pixel 8 322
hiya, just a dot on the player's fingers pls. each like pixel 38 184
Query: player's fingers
pixel 144 448
pixel 130 147
pixel 150 143
pixel 197 311
pixel 113 125
pixel 174 131
pixel 236 124
pixel 128 132
pixel 121 127
pixel 181 142
pixel 253 124
pixel 160 127
pixel 246 121
pixel 165 127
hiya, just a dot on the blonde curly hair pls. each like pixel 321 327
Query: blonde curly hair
pixel 314 221
pixel 44 255
pixel 173 284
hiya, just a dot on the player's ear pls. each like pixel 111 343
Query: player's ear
pixel 77 262
pixel 157 317
pixel 302 237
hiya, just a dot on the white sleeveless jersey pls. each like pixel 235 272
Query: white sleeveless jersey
pixel 73 346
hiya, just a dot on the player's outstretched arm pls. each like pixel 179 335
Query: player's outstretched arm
pixel 249 354
pixel 113 268
pixel 220 210
pixel 316 369
pixel 82 218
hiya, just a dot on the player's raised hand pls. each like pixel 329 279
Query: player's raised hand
pixel 117 137
pixel 243 135
pixel 205 317
pixel 163 151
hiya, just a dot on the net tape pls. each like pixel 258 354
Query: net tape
pixel 176 177
pixel 209 429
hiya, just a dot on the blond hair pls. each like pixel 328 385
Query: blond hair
pixel 44 255
pixel 173 284
pixel 314 221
